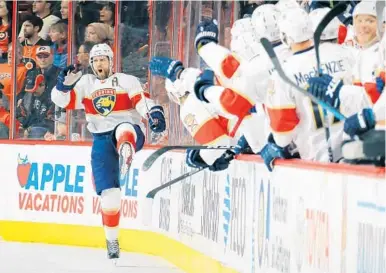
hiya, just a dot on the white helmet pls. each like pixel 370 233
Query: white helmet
pixel 365 8
pixel 185 84
pixel 244 41
pixel 284 5
pixel 332 30
pixel 295 26
pixel 101 50
pixel 265 22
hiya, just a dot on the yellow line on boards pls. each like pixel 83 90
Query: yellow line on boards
pixel 139 241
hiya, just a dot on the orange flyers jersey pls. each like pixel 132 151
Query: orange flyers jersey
pixel 293 117
pixel 5 78
pixel 119 98
pixel 364 73
pixel 4 39
pixel 29 51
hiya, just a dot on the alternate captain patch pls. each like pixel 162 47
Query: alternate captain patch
pixel 104 100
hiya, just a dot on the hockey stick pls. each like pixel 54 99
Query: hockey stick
pixel 151 194
pixel 317 35
pixel 271 53
pixel 155 155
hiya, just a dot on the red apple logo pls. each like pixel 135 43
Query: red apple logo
pixel 23 169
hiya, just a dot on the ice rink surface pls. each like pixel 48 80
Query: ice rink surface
pixel 42 258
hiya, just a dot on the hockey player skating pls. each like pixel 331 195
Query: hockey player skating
pixel 292 115
pixel 114 104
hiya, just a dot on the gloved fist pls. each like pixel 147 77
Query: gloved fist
pixel 242 145
pixel 194 160
pixel 165 67
pixel 223 161
pixel 206 32
pixel 157 119
pixel 380 82
pixel 205 80
pixel 272 151
pixel 359 123
pixel 67 79
pixel 326 89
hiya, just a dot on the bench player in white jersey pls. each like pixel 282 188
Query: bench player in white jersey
pixel 359 126
pixel 293 117
pixel 200 119
pixel 114 104
pixel 365 44
pixel 329 42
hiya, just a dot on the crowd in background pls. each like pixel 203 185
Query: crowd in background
pixel 41 49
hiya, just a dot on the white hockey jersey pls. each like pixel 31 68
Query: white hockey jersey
pixel 365 70
pixel 119 98
pixel 199 118
pixel 293 117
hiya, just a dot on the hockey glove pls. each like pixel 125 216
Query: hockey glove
pixel 241 146
pixel 205 80
pixel 359 123
pixel 67 79
pixel 157 119
pixel 222 162
pixel 272 151
pixel 326 89
pixel 194 160
pixel 166 67
pixel 206 32
pixel 380 82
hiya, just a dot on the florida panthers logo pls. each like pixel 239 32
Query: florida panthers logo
pixel 104 101
pixel 3 36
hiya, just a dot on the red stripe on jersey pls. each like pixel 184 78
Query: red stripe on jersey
pixel 137 98
pixel 211 130
pixel 234 103
pixel 371 89
pixel 229 66
pixel 342 33
pixel 283 120
pixel 110 219
pixel 71 104
pixel 122 102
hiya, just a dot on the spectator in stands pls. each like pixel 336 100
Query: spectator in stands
pixel 64 10
pixel 107 14
pixel 35 110
pixel 42 9
pixel 5 25
pixel 31 39
pixel 58 35
pixel 83 57
pixel 5 74
pixel 99 33
pixel 45 62
pixel 60 130
pixel 87 12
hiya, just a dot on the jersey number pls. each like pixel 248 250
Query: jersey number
pixel 318 115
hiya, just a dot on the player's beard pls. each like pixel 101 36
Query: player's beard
pixel 103 75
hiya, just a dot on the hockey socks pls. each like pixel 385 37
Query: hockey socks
pixel 111 203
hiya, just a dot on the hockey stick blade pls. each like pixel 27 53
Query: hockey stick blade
pixel 338 9
pixel 156 154
pixel 151 194
pixel 271 53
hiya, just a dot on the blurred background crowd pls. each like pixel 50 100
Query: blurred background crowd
pixel 46 36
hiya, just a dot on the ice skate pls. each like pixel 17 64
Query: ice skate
pixel 113 250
